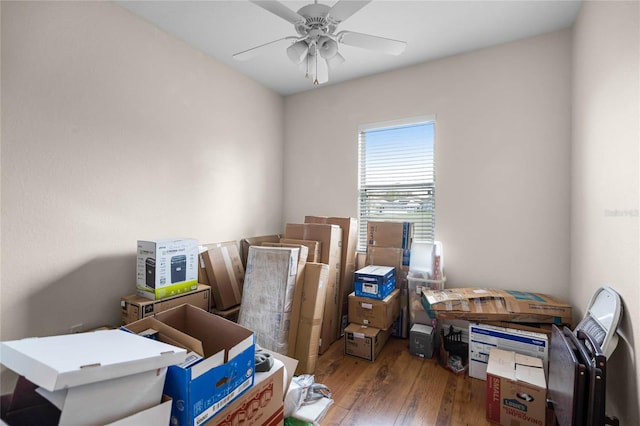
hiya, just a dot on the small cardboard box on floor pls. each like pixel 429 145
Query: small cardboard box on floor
pixel 364 342
pixel 89 376
pixel 228 360
pixel 134 307
pixel 166 267
pixel 480 304
pixel 263 404
pixel 516 389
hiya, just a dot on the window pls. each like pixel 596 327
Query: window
pixel 396 176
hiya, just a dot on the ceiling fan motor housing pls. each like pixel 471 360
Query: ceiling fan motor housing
pixel 315 18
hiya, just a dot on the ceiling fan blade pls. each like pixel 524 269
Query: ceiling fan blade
pixel 279 9
pixel 335 60
pixel 366 41
pixel 254 51
pixel 345 8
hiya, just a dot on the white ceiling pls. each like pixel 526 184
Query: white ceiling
pixel 432 29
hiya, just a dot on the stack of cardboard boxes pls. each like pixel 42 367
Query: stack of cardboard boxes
pixel 389 244
pixel 374 307
pixel 172 272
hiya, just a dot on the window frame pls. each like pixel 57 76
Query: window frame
pixel 426 232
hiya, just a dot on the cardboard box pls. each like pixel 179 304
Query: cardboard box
pixel 331 238
pixel 314 247
pixel 225 273
pixel 483 338
pixel 375 274
pixel 79 372
pixel 245 243
pixel 387 256
pixel 134 307
pixel 263 404
pixel 364 342
pixel 349 226
pixel 157 415
pixel 373 312
pixel 478 304
pixel 202 270
pixel 314 290
pixel 231 314
pixel 516 389
pixel 422 340
pixel 390 234
pixel 417 313
pixel 374 281
pixel 268 300
pixel 166 267
pixel 228 352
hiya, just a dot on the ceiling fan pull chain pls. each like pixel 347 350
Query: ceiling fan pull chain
pixel 316 76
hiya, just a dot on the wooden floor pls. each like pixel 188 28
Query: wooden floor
pixel 397 389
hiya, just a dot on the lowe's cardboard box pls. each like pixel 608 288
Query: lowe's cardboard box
pixel 481 304
pixel 225 369
pixel 516 389
pixel 483 338
pixel 166 267
pixel 263 404
pixel 134 307
pixel 91 377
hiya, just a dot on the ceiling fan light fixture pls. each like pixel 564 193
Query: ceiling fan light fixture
pixel 297 52
pixel 328 47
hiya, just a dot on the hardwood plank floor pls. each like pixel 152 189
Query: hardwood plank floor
pixel 397 389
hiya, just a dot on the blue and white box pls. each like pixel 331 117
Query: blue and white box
pixel 484 337
pixel 374 281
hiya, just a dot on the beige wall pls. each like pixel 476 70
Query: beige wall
pixel 113 131
pixel 605 242
pixel 502 156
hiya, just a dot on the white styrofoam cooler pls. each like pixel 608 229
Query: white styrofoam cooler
pixel 96 377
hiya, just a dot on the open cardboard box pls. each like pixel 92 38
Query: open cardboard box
pixel 480 304
pixel 201 390
pixel 79 373
pixel 263 404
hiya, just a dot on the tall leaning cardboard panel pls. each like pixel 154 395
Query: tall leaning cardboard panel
pixel 297 294
pixel 349 226
pixel 331 238
pixel 312 309
pixel 267 298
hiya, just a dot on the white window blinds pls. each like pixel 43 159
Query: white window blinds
pixel 396 177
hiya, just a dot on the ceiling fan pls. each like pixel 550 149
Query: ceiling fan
pixel 316 46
